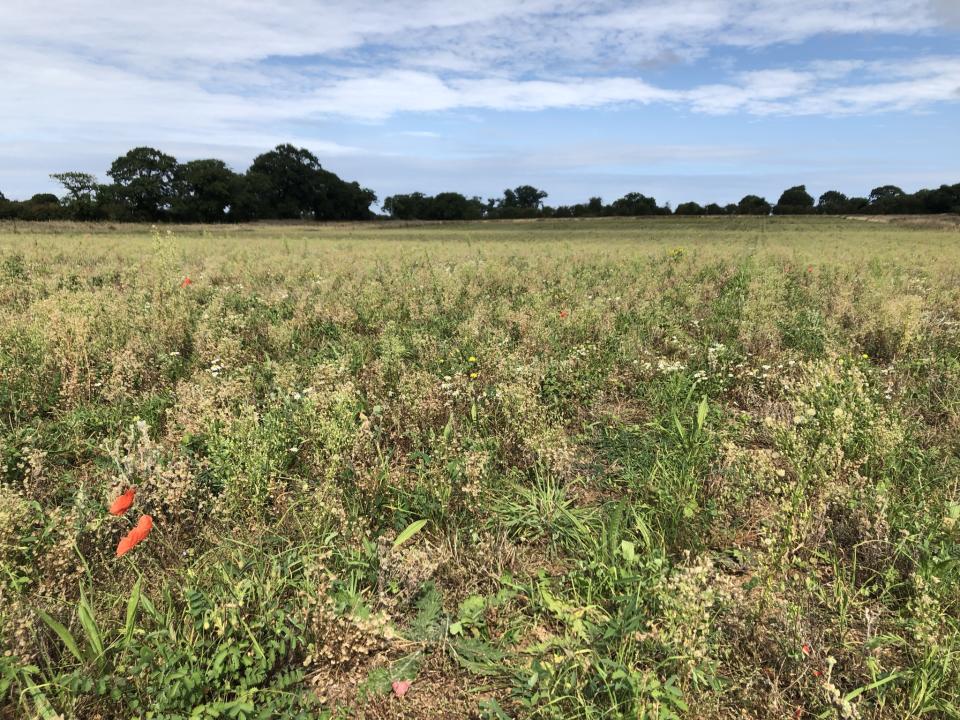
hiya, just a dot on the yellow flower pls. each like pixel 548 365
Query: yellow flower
pixel 473 376
pixel 472 359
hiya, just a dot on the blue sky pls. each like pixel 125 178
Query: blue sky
pixel 684 100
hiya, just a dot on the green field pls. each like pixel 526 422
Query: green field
pixel 659 468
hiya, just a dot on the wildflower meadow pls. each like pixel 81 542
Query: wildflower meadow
pixel 610 468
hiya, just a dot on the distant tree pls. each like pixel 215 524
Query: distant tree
pixel 712 209
pixel 529 197
pixel 833 202
pixel 509 199
pixel 945 199
pixel 206 191
pixel 286 183
pixel 731 209
pixel 406 207
pixel 289 183
pixel 522 201
pixel 887 199
pixel 753 205
pixel 81 198
pixel 690 208
pixel 635 204
pixel 42 206
pixel 340 200
pixel 885 193
pixel 794 201
pixel 443 206
pixel 3 198
pixel 858 204
pixel 145 182
pixel 454 206
pixel 595 206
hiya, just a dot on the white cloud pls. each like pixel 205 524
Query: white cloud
pixel 248 73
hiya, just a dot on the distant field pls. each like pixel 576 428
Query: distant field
pixel 621 468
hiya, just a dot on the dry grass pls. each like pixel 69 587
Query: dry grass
pixel 670 467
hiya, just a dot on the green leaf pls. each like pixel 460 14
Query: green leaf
pixel 702 409
pixel 132 604
pixel 89 623
pixel 873 686
pixel 65 637
pixel 408 532
pixel 680 430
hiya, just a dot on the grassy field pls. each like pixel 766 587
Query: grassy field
pixel 639 469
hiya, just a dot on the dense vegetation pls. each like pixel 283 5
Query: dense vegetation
pixel 288 183
pixel 620 469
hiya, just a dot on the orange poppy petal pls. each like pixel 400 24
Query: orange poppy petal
pixel 122 503
pixel 136 536
pixel 124 546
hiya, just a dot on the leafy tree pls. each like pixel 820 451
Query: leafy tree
pixel 454 206
pixel 81 197
pixel 595 206
pixel 145 182
pixel 289 183
pixel 833 202
pixel 635 204
pixel 794 201
pixel 945 199
pixel 713 209
pixel 529 197
pixel 339 200
pixel 731 209
pixel 859 204
pixel 885 194
pixel 753 205
pixel 406 207
pixel 444 206
pixel 522 201
pixel 42 206
pixel 206 191
pixel 690 208
pixel 286 183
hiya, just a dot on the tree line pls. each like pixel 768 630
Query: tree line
pixel 289 183
pixel 286 183
pixel 527 202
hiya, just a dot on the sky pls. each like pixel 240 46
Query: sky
pixel 704 100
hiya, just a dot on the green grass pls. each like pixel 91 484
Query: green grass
pixel 621 468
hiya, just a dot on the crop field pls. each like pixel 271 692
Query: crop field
pixel 646 469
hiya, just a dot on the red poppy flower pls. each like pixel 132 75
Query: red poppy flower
pixel 806 649
pixel 564 313
pixel 122 503
pixel 186 281
pixel 136 536
pixel 400 687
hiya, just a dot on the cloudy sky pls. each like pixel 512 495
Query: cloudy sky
pixel 681 99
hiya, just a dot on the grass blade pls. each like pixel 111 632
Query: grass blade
pixel 408 532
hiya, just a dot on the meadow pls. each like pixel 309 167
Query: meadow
pixel 618 468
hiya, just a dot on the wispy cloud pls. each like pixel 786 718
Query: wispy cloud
pixel 215 64
pixel 247 74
